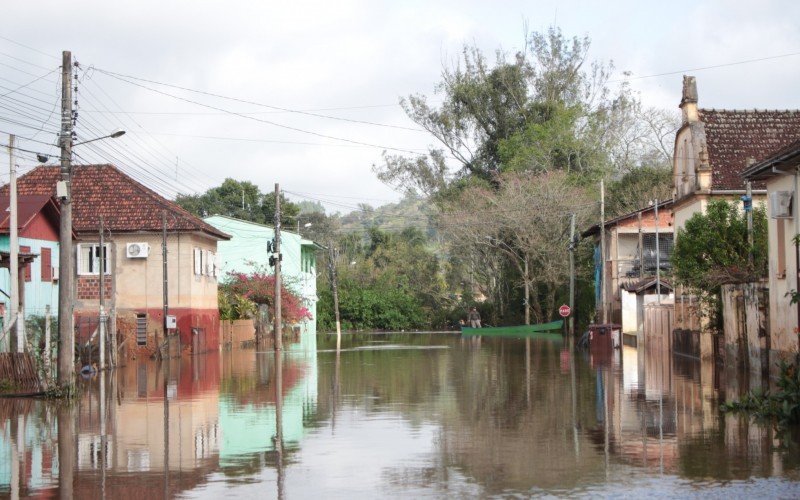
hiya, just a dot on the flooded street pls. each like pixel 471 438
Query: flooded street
pixel 407 415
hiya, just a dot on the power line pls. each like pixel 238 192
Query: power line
pixel 28 47
pixel 261 120
pixel 199 113
pixel 30 83
pixel 703 68
pixel 245 101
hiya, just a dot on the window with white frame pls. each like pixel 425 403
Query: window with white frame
pixel 89 258
pixel 198 262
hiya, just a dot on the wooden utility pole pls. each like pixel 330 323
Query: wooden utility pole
pixel 102 324
pixel 13 265
pixel 603 251
pixel 277 314
pixel 335 287
pixel 66 333
pixel 166 282
pixel 572 276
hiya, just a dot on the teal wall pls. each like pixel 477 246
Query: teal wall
pixel 38 295
pixel 247 251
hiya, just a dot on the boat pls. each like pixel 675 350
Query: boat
pixel 550 331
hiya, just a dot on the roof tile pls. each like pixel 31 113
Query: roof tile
pixel 125 204
pixel 734 136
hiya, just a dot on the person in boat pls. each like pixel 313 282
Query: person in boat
pixel 474 318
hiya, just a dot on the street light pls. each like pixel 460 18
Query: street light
pixel 66 332
pixel 113 135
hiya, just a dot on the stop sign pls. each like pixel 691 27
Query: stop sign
pixel 564 311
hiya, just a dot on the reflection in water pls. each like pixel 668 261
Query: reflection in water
pixel 400 415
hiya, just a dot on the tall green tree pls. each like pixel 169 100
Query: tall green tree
pixel 240 199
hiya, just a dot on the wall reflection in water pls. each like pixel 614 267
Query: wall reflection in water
pixel 390 415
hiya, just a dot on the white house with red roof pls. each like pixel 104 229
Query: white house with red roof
pixel 713 148
pixel 132 216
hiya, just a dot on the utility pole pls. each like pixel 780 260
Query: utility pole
pixel 102 325
pixel 277 314
pixel 66 333
pixel 658 257
pixel 572 277
pixel 335 286
pixel 603 250
pixel 166 282
pixel 13 266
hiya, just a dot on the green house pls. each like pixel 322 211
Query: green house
pixel 247 251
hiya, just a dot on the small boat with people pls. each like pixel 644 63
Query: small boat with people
pixel 550 331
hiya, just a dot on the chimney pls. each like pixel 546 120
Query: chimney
pixel 689 99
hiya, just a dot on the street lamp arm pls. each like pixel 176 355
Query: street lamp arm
pixel 112 135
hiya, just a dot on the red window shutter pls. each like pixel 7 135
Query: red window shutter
pixel 28 265
pixel 47 265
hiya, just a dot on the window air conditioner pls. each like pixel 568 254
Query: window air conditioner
pixel 780 204
pixel 137 250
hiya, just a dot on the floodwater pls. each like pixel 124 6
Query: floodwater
pixel 425 415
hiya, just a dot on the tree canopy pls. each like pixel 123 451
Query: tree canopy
pixel 240 199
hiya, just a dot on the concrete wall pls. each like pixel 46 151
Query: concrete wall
pixel 783 316
pixel 137 288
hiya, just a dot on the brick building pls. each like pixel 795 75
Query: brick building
pixel 132 217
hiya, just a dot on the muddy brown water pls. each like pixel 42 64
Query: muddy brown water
pixel 402 415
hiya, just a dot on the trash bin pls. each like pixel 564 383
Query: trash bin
pixel 603 339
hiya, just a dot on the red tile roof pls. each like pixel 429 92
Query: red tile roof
pixel 125 204
pixel 733 136
pixel 27 208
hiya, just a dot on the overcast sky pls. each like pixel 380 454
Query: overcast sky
pixel 343 59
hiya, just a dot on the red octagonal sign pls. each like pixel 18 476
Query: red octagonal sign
pixel 564 311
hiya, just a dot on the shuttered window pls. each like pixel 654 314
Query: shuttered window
pixel 47 265
pixel 141 329
pixel 28 267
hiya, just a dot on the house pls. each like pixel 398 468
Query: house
pixel 712 149
pixel 780 172
pixel 38 225
pixel 133 220
pixel 246 251
pixel 631 255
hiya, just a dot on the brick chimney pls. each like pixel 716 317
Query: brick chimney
pixel 689 99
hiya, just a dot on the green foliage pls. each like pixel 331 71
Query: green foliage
pixel 637 188
pixel 388 281
pixel 712 249
pixel 233 306
pixel 782 407
pixel 239 199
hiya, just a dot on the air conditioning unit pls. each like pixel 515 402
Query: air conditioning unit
pixel 780 204
pixel 137 250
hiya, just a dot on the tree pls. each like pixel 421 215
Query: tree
pixel 637 189
pixel 258 287
pixel 526 218
pixel 712 250
pixel 239 199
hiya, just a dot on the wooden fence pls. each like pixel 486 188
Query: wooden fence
pixel 18 371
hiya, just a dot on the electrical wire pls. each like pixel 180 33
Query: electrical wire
pixel 261 120
pixel 245 101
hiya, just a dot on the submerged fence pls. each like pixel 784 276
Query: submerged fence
pixel 18 373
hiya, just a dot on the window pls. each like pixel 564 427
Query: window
pixel 198 262
pixel 141 329
pixel 89 258
pixel 28 269
pixel 47 265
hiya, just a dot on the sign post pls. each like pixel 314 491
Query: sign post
pixel 564 312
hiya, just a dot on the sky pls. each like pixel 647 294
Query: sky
pixel 344 65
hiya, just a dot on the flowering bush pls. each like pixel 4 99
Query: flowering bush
pixel 259 288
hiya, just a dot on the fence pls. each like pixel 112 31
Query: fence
pixel 19 369
pixel 658 325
